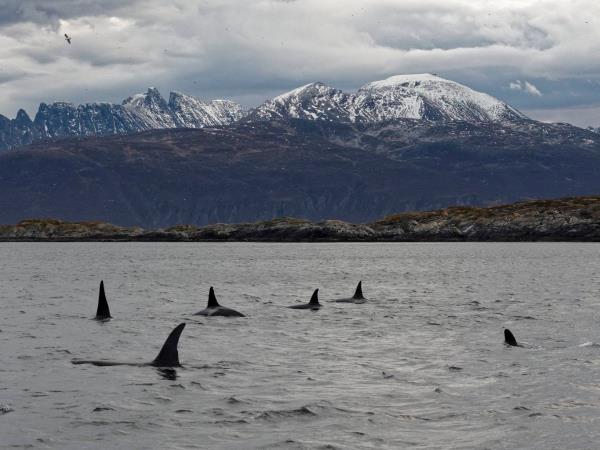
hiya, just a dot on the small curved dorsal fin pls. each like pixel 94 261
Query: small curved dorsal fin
pixel 212 299
pixel 168 355
pixel 103 312
pixel 314 300
pixel 509 338
pixel 358 293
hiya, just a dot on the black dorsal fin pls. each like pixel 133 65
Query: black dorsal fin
pixel 212 299
pixel 103 312
pixel 509 338
pixel 358 293
pixel 168 355
pixel 314 300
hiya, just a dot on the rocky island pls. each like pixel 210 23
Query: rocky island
pixel 568 219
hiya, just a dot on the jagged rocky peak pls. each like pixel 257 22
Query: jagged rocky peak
pixel 151 109
pixel 145 111
pixel 22 118
pixel 149 99
pixel 192 112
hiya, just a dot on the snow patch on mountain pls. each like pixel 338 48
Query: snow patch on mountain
pixel 314 101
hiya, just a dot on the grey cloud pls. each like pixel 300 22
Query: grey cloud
pixel 48 12
pixel 250 50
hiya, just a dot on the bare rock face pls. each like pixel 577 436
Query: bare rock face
pixel 571 219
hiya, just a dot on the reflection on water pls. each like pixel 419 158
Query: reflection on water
pixel 167 374
pixel 420 364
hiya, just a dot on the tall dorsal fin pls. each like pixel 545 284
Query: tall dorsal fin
pixel 314 300
pixel 212 299
pixel 358 293
pixel 509 338
pixel 168 355
pixel 103 312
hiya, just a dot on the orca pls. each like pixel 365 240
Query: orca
pixel 167 357
pixel 313 304
pixel 214 309
pixel 356 298
pixel 509 338
pixel 103 312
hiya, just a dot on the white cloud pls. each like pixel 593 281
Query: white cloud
pixel 531 89
pixel 525 86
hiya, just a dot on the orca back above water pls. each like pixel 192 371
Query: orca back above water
pixel 214 309
pixel 167 357
pixel 509 338
pixel 356 298
pixel 103 312
pixel 312 304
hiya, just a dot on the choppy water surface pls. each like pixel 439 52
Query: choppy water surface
pixel 421 364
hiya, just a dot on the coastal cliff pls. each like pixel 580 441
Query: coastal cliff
pixel 569 219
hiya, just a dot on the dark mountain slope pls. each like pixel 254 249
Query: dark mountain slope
pixel 309 169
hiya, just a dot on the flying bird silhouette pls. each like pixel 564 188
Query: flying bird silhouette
pixel 68 38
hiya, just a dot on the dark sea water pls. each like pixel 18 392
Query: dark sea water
pixel 422 364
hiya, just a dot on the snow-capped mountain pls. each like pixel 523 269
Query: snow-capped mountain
pixel 137 113
pixel 420 96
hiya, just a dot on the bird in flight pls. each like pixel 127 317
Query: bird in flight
pixel 67 38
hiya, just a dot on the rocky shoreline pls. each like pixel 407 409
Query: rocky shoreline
pixel 568 219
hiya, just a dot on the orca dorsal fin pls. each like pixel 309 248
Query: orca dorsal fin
pixel 358 293
pixel 212 299
pixel 168 355
pixel 314 300
pixel 103 312
pixel 509 338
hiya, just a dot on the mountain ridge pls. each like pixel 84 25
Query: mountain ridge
pixel 416 96
pixel 140 112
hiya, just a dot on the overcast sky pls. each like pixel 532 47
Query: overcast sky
pixel 542 57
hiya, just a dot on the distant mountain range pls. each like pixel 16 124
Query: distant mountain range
pixel 137 113
pixel 424 96
pixel 412 142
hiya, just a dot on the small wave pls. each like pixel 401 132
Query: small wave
pixel 231 421
pixel 521 408
pixel 103 408
pixel 304 411
pixel 589 344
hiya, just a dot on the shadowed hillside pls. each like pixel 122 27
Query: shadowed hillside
pixel 316 170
